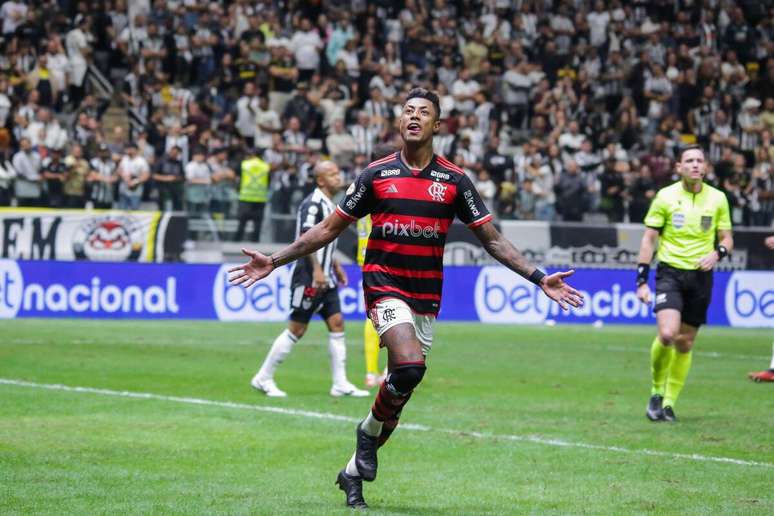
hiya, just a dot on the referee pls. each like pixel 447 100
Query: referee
pixel 686 219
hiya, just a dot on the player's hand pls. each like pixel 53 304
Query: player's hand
pixel 708 261
pixel 643 293
pixel 256 269
pixel 769 242
pixel 319 281
pixel 341 277
pixel 555 287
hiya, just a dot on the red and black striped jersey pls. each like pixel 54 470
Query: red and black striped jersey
pixel 411 211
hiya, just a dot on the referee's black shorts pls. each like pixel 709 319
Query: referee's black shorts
pixel 688 292
pixel 305 301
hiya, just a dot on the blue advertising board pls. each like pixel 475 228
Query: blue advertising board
pixel 489 294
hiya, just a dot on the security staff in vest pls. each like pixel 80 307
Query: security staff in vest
pixel 687 219
pixel 253 194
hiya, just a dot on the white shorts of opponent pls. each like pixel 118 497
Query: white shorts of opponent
pixel 388 312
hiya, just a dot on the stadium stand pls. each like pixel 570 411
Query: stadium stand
pixel 558 110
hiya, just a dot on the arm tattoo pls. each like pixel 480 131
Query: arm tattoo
pixel 504 252
pixel 317 237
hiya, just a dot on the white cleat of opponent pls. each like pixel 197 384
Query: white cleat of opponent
pixel 268 387
pixel 347 389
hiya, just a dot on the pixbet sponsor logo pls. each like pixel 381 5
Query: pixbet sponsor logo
pixel 269 299
pixel 389 172
pixel 413 229
pixel 92 296
pixel 750 299
pixel 502 296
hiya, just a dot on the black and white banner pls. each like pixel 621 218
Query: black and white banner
pixel 95 235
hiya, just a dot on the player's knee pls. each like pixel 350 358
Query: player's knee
pixel 405 378
pixel 336 325
pixel 666 336
pixel 297 330
pixel 683 344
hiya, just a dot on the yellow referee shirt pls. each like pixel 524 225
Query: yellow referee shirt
pixel 363 231
pixel 688 222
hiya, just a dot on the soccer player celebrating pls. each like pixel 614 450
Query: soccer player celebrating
pixel 768 374
pixel 313 288
pixel 412 196
pixel 685 218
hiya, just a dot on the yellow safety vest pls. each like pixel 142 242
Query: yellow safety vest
pixel 254 183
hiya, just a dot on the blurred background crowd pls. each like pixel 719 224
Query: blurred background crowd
pixel 558 110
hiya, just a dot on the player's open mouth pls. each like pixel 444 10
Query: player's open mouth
pixel 414 128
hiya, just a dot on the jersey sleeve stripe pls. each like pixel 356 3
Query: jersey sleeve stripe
pixel 479 222
pixel 448 164
pixel 344 214
pixel 383 160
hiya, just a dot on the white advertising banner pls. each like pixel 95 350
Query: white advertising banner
pixel 93 235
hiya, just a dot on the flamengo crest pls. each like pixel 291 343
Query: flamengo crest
pixel 437 191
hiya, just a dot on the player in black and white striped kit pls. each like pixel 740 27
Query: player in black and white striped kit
pixel 314 288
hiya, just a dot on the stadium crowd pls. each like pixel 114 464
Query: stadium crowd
pixel 558 110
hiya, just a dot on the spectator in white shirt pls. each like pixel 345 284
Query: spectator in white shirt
pixel 198 179
pixel 246 107
pixel 78 44
pixel 306 45
pixel 134 173
pixel 13 14
pixel 598 20
pixel 341 145
pixel 27 165
pixel 267 122
pixel 45 131
pixel 464 90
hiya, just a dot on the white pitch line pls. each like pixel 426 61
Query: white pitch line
pixel 617 349
pixel 404 426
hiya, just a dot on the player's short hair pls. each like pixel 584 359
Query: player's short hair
pixel 423 93
pixel 687 148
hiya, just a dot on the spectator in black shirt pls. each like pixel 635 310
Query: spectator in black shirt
pixel 571 193
pixel 641 193
pixel 168 176
pixel 55 173
pixel 612 186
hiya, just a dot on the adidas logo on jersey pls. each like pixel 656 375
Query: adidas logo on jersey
pixel 392 189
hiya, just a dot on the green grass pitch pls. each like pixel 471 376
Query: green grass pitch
pixel 509 420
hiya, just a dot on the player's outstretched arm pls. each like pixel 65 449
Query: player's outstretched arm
pixel 504 252
pixel 261 265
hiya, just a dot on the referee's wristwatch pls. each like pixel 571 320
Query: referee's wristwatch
pixel 722 252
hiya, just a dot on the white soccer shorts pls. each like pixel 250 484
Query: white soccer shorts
pixel 389 312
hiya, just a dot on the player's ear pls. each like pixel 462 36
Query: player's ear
pixel 437 126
